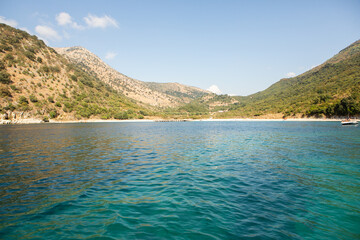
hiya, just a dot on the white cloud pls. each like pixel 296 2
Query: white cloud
pixel 110 55
pixel 64 19
pixel 290 74
pixel 100 22
pixel 9 22
pixel 77 26
pixel 214 89
pixel 47 33
pixel 92 21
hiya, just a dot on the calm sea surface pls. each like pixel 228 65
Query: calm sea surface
pixel 187 180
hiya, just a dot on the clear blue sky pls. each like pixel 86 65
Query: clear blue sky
pixel 240 46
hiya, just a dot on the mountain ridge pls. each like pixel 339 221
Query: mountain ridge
pixel 149 93
pixel 317 92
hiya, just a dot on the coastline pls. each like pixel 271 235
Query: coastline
pixel 37 121
pixel 271 120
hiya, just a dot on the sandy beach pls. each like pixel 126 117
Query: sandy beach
pixel 35 121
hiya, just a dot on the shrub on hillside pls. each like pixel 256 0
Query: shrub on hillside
pixel 73 77
pixel 69 104
pixel 23 104
pixel 30 55
pixel 143 112
pixel 121 115
pixel 10 107
pixel 31 49
pixel 347 106
pixel 13 40
pixel 51 99
pixel 4 77
pixel 44 69
pixel 33 98
pixel 53 114
pixel 4 92
pixel 45 119
pixel 4 48
pixel 9 57
pixel 84 112
pixel 54 69
pixel 2 65
pixel 23 100
pixel 87 82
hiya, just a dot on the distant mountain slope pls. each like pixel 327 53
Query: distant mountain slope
pixel 36 82
pixel 154 94
pixel 183 92
pixel 330 89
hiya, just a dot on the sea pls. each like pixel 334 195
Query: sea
pixel 180 180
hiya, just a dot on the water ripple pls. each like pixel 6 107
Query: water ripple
pixel 218 180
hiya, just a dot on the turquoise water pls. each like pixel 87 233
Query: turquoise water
pixel 186 180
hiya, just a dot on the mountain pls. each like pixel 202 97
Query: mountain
pixel 328 90
pixel 150 93
pixel 37 82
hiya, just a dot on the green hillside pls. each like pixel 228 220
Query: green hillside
pixel 206 106
pixel 331 89
pixel 36 82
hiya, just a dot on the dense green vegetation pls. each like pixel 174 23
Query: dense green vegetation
pixel 204 107
pixel 331 89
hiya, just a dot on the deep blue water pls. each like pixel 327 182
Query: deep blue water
pixel 186 180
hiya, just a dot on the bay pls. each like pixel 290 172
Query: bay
pixel 183 180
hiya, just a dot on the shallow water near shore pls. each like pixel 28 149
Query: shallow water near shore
pixel 184 180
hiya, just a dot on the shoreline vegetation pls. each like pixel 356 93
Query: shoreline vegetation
pixel 37 121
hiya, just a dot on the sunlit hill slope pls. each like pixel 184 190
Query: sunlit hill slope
pixel 331 89
pixel 37 82
pixel 148 93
